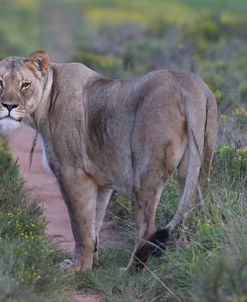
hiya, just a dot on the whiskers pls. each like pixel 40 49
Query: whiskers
pixel 17 114
pixel 3 112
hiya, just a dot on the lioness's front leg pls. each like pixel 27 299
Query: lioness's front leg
pixel 80 195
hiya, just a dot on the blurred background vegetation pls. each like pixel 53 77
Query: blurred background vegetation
pixel 124 39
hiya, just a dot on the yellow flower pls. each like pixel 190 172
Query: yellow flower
pixel 217 94
pixel 242 150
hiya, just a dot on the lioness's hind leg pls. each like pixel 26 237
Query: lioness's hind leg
pixel 145 201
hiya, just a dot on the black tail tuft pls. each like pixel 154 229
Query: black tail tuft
pixel 154 247
pixel 157 242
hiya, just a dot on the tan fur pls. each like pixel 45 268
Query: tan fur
pixel 102 135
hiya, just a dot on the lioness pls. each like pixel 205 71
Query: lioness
pixel 101 135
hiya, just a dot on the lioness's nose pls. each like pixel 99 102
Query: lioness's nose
pixel 9 106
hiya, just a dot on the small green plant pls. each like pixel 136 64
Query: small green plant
pixel 128 59
pixel 240 114
pixel 231 162
pixel 243 91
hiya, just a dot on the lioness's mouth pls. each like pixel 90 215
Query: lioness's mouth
pixel 8 117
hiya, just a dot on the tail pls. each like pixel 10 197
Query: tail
pixel 202 131
pixel 211 130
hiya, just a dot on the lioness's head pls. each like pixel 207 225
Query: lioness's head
pixel 22 83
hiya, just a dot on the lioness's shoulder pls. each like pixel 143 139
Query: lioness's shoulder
pixel 74 70
pixel 72 75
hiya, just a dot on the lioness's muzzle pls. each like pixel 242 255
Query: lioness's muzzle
pixel 9 107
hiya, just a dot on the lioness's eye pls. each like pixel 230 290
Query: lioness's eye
pixel 25 85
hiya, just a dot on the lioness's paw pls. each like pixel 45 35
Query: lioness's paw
pixel 69 266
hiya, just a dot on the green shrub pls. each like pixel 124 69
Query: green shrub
pixel 28 270
pixel 231 162
pixel 6 161
pixel 128 59
pixel 240 115
pixel 204 32
pixel 208 28
pixel 243 91
pixel 158 26
pixel 215 83
pixel 106 63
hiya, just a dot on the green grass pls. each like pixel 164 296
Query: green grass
pixel 28 261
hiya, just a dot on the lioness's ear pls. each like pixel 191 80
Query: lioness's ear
pixel 39 59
